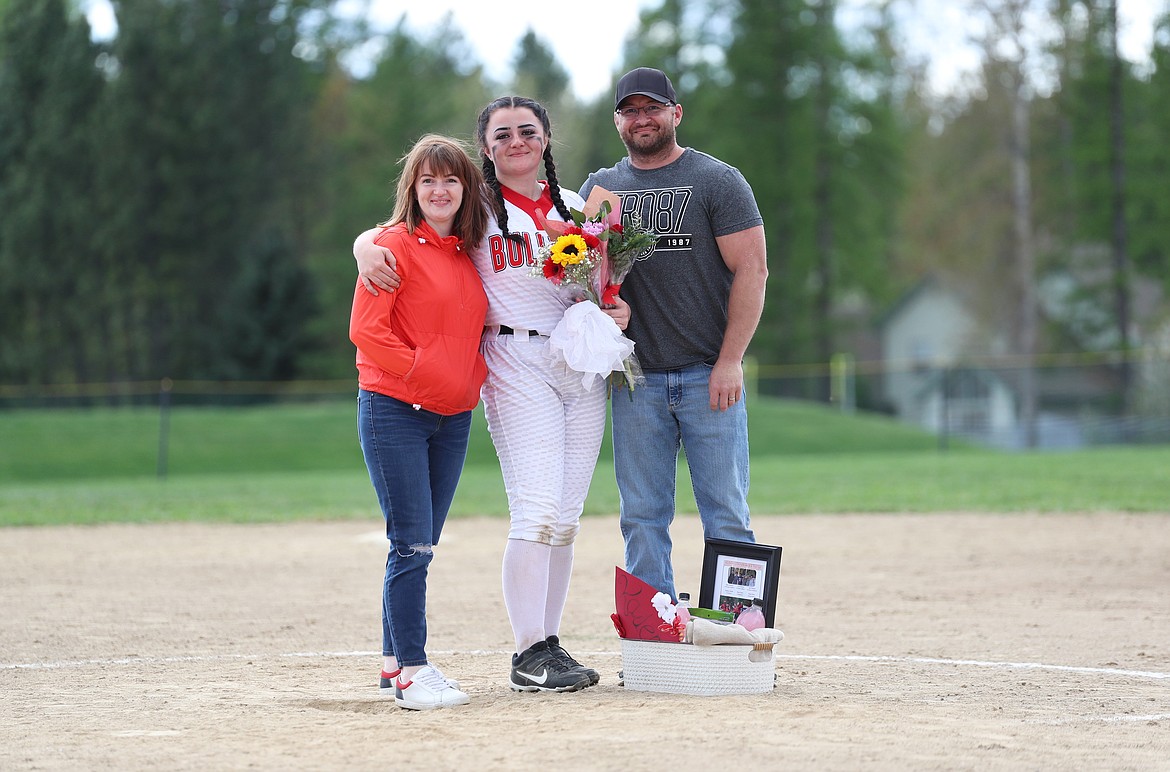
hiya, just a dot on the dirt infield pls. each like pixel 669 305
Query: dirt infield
pixel 913 642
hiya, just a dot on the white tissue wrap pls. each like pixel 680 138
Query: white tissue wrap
pixel 704 632
pixel 589 342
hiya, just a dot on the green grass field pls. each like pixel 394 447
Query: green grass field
pixel 269 464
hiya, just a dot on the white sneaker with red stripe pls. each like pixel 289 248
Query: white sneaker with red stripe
pixel 427 690
pixel 386 680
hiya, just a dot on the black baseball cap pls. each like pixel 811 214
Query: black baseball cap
pixel 647 82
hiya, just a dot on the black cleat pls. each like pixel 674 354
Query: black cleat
pixel 538 669
pixel 554 645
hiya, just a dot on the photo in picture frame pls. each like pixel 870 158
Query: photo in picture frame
pixel 736 573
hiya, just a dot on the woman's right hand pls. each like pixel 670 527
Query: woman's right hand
pixel 375 264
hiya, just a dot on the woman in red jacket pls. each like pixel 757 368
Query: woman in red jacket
pixel 419 372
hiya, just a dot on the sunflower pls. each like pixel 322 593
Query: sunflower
pixel 568 250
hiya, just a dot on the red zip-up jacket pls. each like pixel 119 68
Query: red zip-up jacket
pixel 420 343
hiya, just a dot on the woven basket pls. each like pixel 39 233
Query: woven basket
pixel 682 668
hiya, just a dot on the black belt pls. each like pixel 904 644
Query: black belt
pixel 506 330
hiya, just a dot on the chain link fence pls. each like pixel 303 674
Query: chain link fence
pixel 1080 400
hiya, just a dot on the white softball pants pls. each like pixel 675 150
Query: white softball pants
pixel 547 430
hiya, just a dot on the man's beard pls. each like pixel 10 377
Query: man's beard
pixel 646 147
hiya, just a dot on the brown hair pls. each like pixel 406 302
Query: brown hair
pixel 443 156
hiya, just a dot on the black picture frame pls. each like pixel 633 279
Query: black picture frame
pixel 734 568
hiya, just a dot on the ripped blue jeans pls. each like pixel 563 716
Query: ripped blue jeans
pixel 414 458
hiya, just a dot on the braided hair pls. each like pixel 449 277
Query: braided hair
pixel 489 168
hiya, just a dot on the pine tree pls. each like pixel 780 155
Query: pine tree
pixel 538 74
pixel 1150 167
pixel 818 120
pixel 49 87
pixel 206 126
pixel 419 84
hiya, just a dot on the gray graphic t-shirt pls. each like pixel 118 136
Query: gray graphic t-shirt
pixel 679 292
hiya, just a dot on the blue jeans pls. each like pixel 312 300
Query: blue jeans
pixel 414 458
pixel 672 409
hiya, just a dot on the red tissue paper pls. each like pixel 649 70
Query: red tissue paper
pixel 636 618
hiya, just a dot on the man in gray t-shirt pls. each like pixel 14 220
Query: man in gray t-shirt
pixel 696 300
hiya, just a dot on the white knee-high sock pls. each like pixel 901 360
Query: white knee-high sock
pixel 525 582
pixel 560 571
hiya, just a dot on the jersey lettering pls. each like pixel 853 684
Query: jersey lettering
pixel 496 249
pixel 507 253
pixel 519 255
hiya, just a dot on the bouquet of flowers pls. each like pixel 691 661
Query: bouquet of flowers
pixel 594 254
